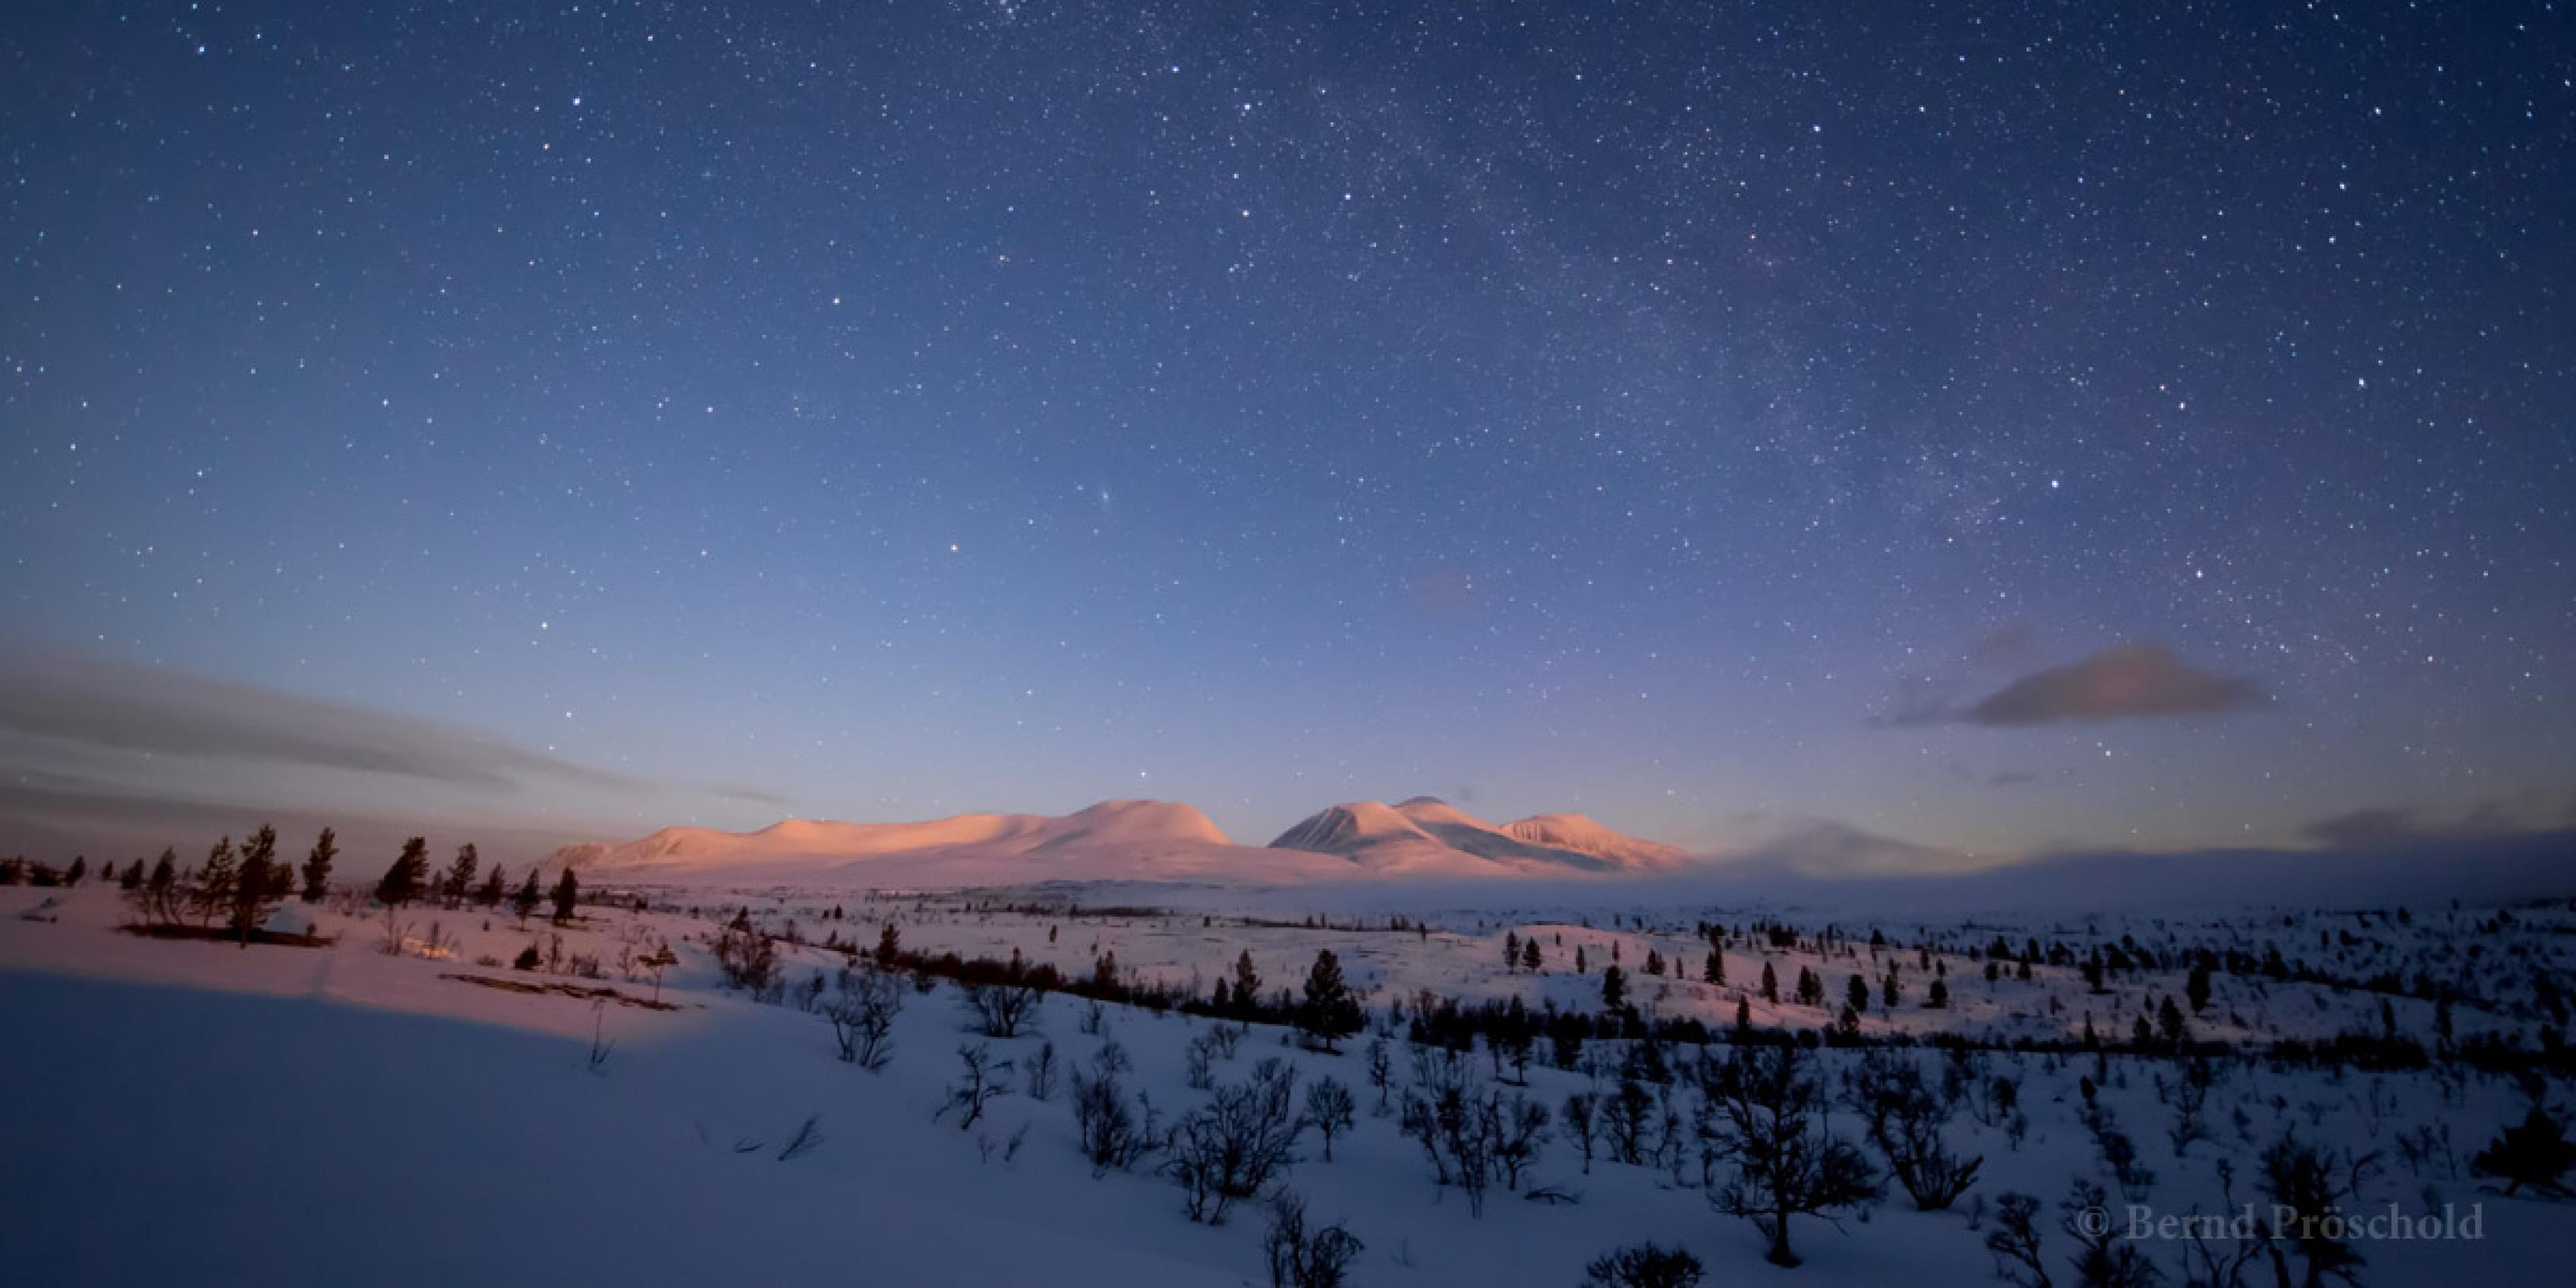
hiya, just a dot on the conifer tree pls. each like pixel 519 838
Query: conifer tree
pixel 2534 1153
pixel 1715 971
pixel 405 880
pixel 158 900
pixel 1247 983
pixel 567 893
pixel 1531 961
pixel 317 866
pixel 1614 988
pixel 1329 1013
pixel 261 881
pixel 460 874
pixel 215 882
pixel 496 887
pixel 526 901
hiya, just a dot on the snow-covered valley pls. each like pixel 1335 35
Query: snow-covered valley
pixel 438 1092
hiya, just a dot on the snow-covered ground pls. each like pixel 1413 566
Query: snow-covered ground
pixel 188 1111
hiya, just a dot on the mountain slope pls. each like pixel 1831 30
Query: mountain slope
pixel 1369 834
pixel 1460 830
pixel 1584 836
pixel 1428 835
pixel 1119 839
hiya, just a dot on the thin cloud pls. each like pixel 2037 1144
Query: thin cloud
pixel 96 702
pixel 2381 827
pixel 2124 682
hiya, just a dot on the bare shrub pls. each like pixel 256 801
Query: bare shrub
pixel 1041 1072
pixel 1229 1148
pixel 1770 1121
pixel 1906 1117
pixel 1002 1010
pixel 1113 1135
pixel 1299 1259
pixel 981 1079
pixel 862 1018
pixel 1643 1266
pixel 1331 1109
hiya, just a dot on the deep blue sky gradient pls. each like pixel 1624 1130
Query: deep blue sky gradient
pixel 912 408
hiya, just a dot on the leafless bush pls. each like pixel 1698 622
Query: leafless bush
pixel 1042 1071
pixel 1299 1259
pixel 1113 1135
pixel 1198 1070
pixel 1473 1134
pixel 1770 1117
pixel 982 1079
pixel 1581 1115
pixel 1229 1148
pixel 2015 1242
pixel 1332 1111
pixel 1002 1010
pixel 1906 1118
pixel 748 958
pixel 862 1018
pixel 1111 1058
pixel 2118 1152
pixel 2104 1257
pixel 1643 1266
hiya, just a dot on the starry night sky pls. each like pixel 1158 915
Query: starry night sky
pixel 1684 413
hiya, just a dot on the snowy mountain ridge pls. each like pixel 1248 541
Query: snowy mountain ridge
pixel 1138 840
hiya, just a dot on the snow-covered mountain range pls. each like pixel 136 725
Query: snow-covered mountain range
pixel 1135 840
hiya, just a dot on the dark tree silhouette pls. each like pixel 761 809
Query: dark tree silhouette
pixel 1643 1266
pixel 2307 1186
pixel 317 865
pixel 525 902
pixel 405 880
pixel 2534 1152
pixel 460 874
pixel 1331 1110
pixel 1329 1013
pixel 261 881
pixel 216 882
pixel 1247 983
pixel 1770 1118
